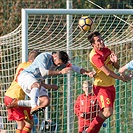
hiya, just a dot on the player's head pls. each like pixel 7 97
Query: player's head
pixel 60 58
pixel 87 87
pixel 33 54
pixel 96 40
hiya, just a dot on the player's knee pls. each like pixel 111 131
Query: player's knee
pixel 20 124
pixel 29 123
pixel 44 101
pixel 108 112
pixel 47 101
pixel 36 85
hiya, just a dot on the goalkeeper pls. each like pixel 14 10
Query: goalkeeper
pixel 86 107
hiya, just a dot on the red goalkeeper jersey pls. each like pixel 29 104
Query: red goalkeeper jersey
pixel 86 104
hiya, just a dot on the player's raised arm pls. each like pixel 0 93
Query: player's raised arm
pixel 83 71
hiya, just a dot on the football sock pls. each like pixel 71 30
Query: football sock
pixel 34 97
pixel 25 103
pixel 95 125
pixel 18 131
pixel 26 129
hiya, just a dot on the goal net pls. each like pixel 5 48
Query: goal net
pixel 57 29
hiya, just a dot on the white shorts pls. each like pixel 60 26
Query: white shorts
pixel 43 92
pixel 25 80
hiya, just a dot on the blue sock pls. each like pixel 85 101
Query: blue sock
pixel 34 97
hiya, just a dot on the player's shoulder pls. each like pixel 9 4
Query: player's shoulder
pixel 81 96
pixel 45 55
pixel 107 50
pixel 24 64
pixel 131 62
pixel 129 65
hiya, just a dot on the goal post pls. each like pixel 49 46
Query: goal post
pixel 50 30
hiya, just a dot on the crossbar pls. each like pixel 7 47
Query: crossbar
pixel 80 11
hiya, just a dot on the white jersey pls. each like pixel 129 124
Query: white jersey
pixel 129 65
pixel 40 66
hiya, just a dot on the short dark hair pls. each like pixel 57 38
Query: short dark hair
pixel 92 35
pixel 63 56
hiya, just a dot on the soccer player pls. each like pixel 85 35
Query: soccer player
pixel 103 61
pixel 128 66
pixel 40 69
pixel 14 93
pixel 86 107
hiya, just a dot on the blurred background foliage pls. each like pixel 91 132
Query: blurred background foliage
pixel 10 10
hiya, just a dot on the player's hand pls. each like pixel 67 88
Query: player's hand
pixel 126 78
pixel 113 57
pixel 66 70
pixel 54 87
pixel 90 74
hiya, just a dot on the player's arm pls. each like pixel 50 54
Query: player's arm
pixel 63 71
pixel 114 59
pixel 89 72
pixel 81 70
pixel 116 65
pixel 122 70
pixel 110 73
pixel 49 86
pixel 45 72
pixel 128 66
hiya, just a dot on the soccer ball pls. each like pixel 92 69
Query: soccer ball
pixel 85 23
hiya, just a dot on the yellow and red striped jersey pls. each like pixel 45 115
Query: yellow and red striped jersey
pixel 97 60
pixel 15 91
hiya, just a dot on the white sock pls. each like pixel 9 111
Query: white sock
pixel 34 97
pixel 25 103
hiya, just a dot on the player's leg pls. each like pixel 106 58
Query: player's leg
pixel 28 126
pixel 43 97
pixel 105 99
pixel 20 126
pixel 28 120
pixel 31 88
pixel 13 103
pixel 25 125
pixel 43 100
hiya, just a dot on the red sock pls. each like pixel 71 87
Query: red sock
pixel 95 125
pixel 26 130
pixel 18 131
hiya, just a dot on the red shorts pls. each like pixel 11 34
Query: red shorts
pixel 105 96
pixel 17 113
